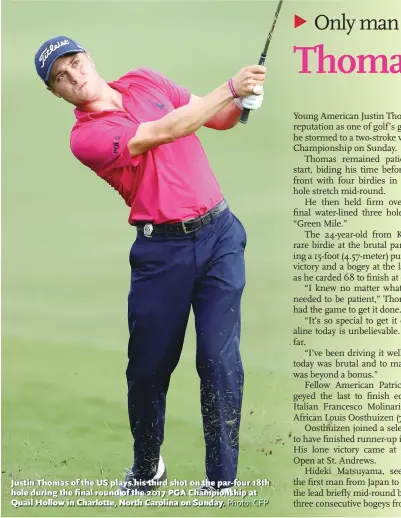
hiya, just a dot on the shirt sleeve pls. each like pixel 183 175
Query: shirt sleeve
pixel 178 95
pixel 102 146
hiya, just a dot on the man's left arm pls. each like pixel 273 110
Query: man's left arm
pixel 229 116
pixel 225 119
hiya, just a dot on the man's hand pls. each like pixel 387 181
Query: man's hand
pixel 247 78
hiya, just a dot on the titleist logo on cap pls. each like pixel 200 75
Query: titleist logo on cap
pixel 48 50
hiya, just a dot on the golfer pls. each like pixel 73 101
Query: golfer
pixel 138 133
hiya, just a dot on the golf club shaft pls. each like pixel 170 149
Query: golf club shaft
pixel 262 59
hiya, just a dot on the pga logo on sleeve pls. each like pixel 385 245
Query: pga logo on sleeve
pixel 116 145
pixel 48 50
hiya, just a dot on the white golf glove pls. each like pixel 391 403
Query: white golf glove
pixel 251 102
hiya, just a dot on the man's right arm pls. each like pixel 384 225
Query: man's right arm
pixel 189 118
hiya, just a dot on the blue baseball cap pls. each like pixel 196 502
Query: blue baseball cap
pixel 51 50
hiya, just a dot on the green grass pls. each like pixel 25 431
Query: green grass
pixel 64 417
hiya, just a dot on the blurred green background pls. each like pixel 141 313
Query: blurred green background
pixel 66 240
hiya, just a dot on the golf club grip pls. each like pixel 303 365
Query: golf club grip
pixel 244 116
pixel 246 111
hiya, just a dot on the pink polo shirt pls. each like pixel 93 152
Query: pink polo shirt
pixel 171 182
